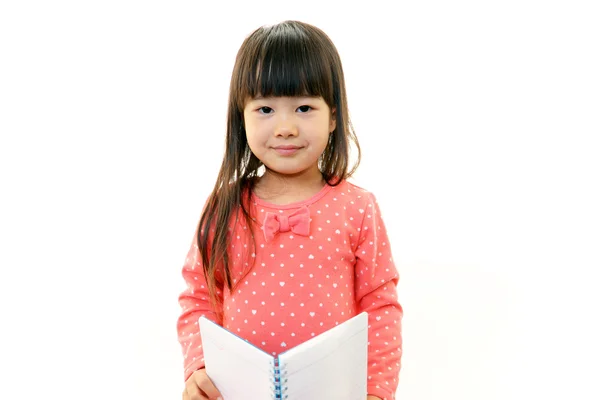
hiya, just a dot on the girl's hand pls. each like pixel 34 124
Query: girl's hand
pixel 371 397
pixel 200 387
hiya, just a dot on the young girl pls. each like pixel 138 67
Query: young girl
pixel 286 248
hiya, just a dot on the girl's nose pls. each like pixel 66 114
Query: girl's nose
pixel 286 131
pixel 286 128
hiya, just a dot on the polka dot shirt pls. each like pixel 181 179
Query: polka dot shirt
pixel 302 281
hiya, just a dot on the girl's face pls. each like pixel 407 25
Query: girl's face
pixel 288 134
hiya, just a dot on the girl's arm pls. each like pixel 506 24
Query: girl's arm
pixel 376 280
pixel 194 302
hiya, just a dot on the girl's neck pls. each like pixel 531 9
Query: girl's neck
pixel 285 189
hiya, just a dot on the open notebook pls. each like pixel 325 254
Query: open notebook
pixel 332 365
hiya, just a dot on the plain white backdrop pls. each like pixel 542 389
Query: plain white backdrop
pixel 479 123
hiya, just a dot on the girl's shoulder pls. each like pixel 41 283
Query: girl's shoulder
pixel 355 192
pixel 352 198
pixel 358 189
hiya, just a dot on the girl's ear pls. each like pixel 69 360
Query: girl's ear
pixel 332 121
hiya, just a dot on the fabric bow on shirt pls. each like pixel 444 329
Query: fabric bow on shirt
pixel 297 222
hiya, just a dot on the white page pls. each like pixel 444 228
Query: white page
pixel 330 366
pixel 238 369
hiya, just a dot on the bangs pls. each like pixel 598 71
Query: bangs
pixel 285 61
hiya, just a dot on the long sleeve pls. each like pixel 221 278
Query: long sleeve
pixel 194 302
pixel 376 293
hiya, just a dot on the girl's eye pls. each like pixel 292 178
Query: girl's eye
pixel 264 110
pixel 268 110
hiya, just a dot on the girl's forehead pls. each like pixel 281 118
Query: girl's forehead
pixel 290 98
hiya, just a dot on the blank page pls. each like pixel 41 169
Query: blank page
pixel 238 369
pixel 332 365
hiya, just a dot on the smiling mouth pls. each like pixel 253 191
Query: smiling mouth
pixel 286 150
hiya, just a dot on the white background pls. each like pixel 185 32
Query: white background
pixel 479 122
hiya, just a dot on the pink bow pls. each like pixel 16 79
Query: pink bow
pixel 297 222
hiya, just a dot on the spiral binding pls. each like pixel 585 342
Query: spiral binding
pixel 279 378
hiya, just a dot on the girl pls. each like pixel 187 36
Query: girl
pixel 286 248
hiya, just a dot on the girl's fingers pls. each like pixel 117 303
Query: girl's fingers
pixel 192 392
pixel 206 385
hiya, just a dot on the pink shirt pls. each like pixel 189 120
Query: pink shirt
pixel 306 280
